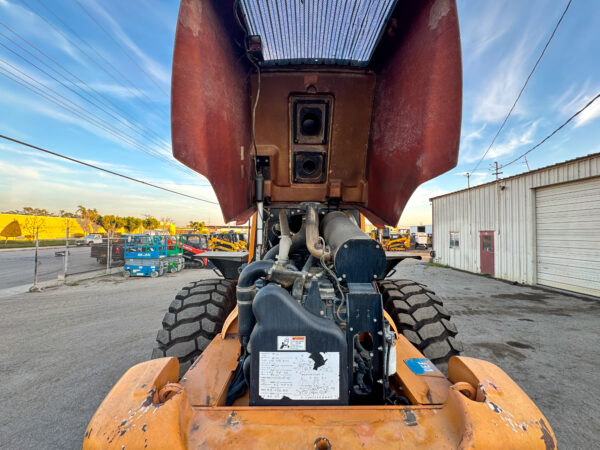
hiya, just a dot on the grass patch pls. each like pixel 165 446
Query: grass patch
pixel 74 283
pixel 434 264
pixel 43 243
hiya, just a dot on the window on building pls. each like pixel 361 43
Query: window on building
pixel 454 239
pixel 486 243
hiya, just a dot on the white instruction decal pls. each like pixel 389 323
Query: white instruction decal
pixel 291 343
pixel 299 375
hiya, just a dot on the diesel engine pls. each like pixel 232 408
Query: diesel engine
pixel 310 317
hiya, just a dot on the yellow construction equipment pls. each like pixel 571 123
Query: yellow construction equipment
pixel 304 122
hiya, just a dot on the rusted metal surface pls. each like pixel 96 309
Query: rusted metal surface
pixel 394 125
pixel 351 95
pixel 415 130
pixel 210 109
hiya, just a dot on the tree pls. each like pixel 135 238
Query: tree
pixel 28 211
pixel 110 223
pixel 13 229
pixel 88 217
pixel 198 227
pixel 67 214
pixel 132 223
pixel 31 224
pixel 150 223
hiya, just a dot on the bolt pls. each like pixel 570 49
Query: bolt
pixel 377 246
pixel 184 378
pixel 322 313
pixel 374 320
pixel 380 348
pixel 351 329
pixel 380 333
pixel 380 381
pixel 344 275
pixel 371 354
pixel 345 245
pixel 375 276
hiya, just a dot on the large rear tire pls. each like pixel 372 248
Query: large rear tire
pixel 194 318
pixel 420 316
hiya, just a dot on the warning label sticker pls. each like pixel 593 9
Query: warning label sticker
pixel 291 343
pixel 299 375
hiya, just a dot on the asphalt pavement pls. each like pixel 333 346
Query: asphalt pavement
pixel 62 350
pixel 17 266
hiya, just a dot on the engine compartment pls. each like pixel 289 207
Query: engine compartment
pixel 310 317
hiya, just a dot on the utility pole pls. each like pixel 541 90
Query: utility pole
pixel 66 260
pixel 468 175
pixel 35 270
pixel 495 170
pixel 527 164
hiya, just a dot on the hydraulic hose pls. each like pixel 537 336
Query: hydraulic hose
pixel 245 292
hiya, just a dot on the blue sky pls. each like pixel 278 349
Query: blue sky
pixel 500 40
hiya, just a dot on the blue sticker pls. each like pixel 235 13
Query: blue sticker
pixel 420 366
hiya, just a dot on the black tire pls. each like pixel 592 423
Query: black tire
pixel 194 318
pixel 420 316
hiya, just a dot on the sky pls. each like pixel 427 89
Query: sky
pixel 117 55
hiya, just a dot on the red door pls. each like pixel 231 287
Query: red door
pixel 486 246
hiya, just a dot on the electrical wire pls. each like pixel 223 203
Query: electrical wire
pixel 127 123
pixel 524 85
pixel 137 93
pixel 114 107
pixel 554 132
pixel 82 113
pixel 68 158
pixel 125 52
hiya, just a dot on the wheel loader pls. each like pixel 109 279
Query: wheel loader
pixel 307 117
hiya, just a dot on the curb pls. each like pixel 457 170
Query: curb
pixel 51 247
pixel 50 284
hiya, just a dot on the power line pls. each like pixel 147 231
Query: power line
pixel 554 132
pixel 137 129
pixel 85 114
pixel 68 158
pixel 80 111
pixel 125 52
pixel 118 110
pixel 149 103
pixel 524 85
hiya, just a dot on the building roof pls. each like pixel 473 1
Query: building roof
pixel 569 161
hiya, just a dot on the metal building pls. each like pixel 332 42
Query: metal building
pixel 540 227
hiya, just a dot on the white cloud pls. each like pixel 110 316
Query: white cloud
pixel 519 136
pixel 115 90
pixel 498 93
pixel 479 34
pixel 30 25
pixel 575 98
pixel 156 69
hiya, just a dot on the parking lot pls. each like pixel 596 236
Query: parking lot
pixel 63 349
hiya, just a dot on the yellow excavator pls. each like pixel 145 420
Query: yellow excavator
pixel 226 242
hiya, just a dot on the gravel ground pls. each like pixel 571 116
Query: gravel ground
pixel 62 350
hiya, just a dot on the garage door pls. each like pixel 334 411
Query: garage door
pixel 568 236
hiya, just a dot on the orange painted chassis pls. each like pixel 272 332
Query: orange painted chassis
pixel 135 413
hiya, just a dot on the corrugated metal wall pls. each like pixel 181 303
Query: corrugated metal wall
pixel 508 208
